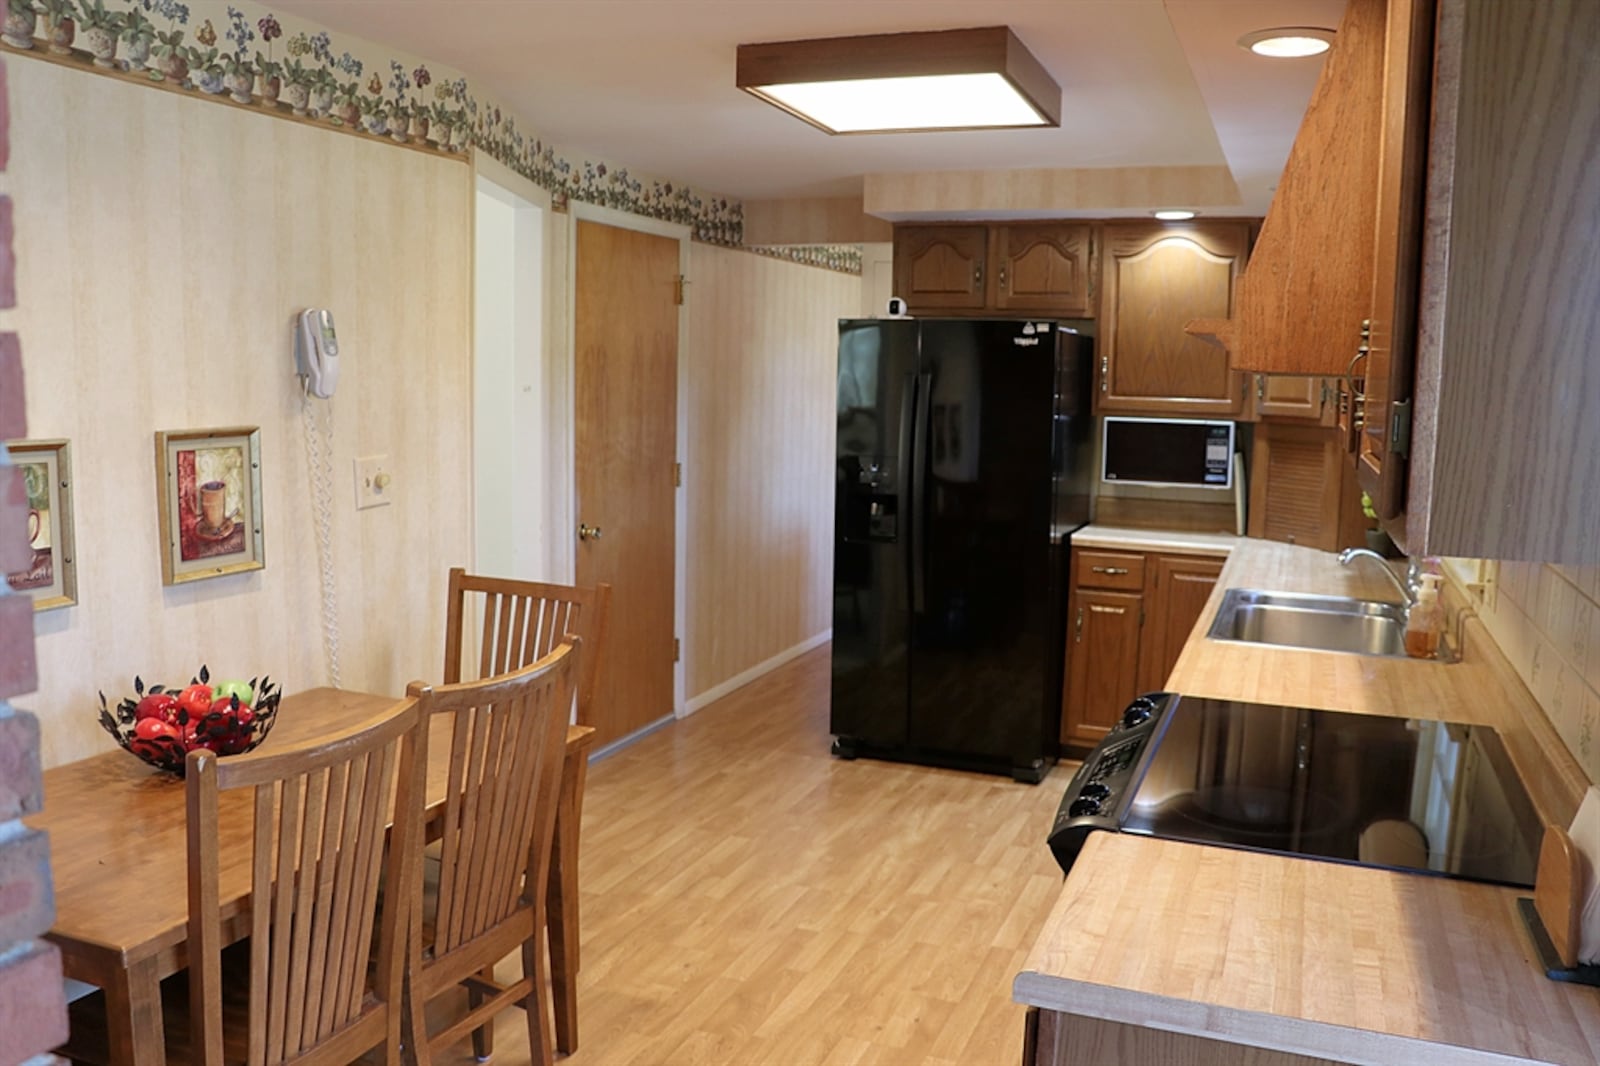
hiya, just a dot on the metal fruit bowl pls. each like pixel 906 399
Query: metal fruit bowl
pixel 230 724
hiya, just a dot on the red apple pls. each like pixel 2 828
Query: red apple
pixel 195 701
pixel 153 728
pixel 154 739
pixel 162 705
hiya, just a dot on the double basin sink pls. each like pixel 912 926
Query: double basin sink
pixel 1319 623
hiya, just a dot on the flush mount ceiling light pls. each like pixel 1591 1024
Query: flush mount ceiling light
pixel 1173 215
pixel 1288 42
pixel 904 82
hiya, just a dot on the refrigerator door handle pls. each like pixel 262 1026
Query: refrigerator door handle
pixel 903 475
pixel 919 506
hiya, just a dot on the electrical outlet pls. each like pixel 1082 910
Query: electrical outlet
pixel 374 482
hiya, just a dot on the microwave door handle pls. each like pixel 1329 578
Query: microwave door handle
pixel 919 505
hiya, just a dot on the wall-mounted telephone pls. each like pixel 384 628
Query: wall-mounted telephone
pixel 316 351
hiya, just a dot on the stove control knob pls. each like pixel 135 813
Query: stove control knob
pixel 1083 806
pixel 1138 712
pixel 1096 792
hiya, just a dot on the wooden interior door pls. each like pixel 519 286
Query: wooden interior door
pixel 626 408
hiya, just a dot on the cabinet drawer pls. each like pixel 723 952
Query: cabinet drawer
pixel 1110 570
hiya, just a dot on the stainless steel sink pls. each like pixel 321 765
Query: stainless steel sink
pixel 1320 623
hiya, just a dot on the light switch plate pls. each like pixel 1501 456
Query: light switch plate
pixel 374 482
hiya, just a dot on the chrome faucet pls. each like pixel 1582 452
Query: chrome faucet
pixel 1350 555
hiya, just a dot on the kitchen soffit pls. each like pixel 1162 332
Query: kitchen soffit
pixel 649 84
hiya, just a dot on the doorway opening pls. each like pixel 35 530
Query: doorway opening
pixel 510 461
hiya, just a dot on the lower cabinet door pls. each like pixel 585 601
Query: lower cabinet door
pixel 1180 586
pixel 1102 662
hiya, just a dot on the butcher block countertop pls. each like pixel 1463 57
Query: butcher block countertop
pixel 1341 962
pixel 1315 958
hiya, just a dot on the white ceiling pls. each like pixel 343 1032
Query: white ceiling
pixel 649 83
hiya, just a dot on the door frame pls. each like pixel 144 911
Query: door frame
pixel 485 168
pixel 584 212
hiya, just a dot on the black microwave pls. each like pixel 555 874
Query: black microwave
pixel 1167 451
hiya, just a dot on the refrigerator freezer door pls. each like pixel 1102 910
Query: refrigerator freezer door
pixel 980 631
pixel 872 522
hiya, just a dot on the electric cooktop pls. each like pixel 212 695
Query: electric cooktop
pixel 1402 793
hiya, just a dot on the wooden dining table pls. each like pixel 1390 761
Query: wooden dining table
pixel 119 858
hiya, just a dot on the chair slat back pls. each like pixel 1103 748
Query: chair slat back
pixel 319 818
pixel 507 742
pixel 520 622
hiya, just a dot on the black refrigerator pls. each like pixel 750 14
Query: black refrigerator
pixel 962 466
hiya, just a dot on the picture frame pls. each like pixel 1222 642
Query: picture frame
pixel 52 580
pixel 209 486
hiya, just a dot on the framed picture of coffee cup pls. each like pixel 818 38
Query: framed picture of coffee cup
pixel 209 481
pixel 52 576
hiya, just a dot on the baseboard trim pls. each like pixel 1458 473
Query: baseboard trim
pixel 632 738
pixel 739 680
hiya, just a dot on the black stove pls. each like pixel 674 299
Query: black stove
pixel 1402 793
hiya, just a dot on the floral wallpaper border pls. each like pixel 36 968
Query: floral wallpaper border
pixel 247 55
pixel 841 258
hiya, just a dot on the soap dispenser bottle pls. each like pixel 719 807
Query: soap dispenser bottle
pixel 1425 620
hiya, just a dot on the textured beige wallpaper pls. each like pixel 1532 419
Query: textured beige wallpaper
pixel 763 337
pixel 163 244
pixel 1546 619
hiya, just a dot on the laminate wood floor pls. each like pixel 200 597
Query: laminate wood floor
pixel 747 898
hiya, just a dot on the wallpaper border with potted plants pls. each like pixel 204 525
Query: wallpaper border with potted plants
pixel 246 55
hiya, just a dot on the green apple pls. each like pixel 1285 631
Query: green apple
pixel 242 689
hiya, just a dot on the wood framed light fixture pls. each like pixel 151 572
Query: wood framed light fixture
pixel 904 82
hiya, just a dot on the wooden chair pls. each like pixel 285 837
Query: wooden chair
pixel 519 622
pixel 507 738
pixel 319 818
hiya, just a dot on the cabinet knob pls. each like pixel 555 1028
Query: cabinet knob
pixel 1105 372
pixel 1077 629
pixel 588 532
pixel 977 275
pixel 1109 569
pixel 1005 285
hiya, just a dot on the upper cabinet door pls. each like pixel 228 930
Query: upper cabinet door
pixel 1043 268
pixel 938 268
pixel 1156 278
pixel 1309 285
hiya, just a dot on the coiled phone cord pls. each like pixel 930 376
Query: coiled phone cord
pixel 319 467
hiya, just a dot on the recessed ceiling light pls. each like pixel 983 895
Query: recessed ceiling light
pixel 1173 215
pixel 901 82
pixel 1288 42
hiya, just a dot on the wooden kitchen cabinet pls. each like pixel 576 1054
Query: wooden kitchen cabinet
pixel 1302 489
pixel 1128 618
pixel 1105 661
pixel 1043 267
pixel 1035 267
pixel 1180 585
pixel 1286 398
pixel 1156 277
pixel 941 268
pixel 1506 425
